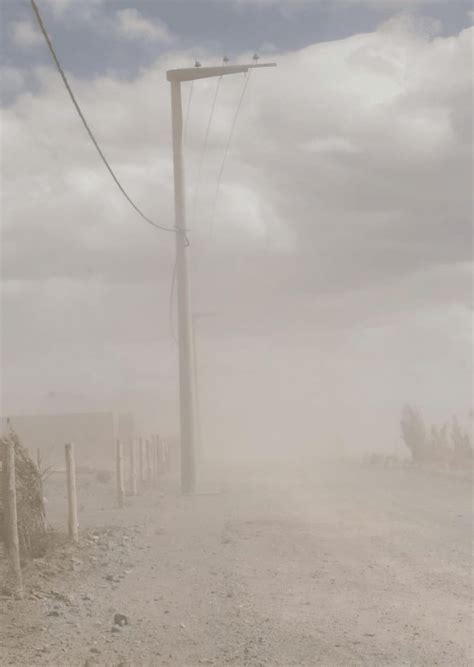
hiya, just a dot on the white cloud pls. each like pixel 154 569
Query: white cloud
pixel 59 6
pixel 84 10
pixel 343 220
pixel 11 79
pixel 25 34
pixel 364 117
pixel 132 25
pixel 376 4
pixel 395 4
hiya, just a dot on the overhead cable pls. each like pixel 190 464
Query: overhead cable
pixel 88 130
pixel 221 171
pixel 204 146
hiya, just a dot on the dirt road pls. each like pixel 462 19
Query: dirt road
pixel 326 565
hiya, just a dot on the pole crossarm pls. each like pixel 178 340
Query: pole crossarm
pixel 192 73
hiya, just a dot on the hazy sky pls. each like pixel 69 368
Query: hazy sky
pixel 339 268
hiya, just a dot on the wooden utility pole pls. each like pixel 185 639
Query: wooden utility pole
pixel 11 523
pixel 186 361
pixel 133 471
pixel 119 468
pixel 73 524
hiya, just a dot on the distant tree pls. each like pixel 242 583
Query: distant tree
pixel 462 444
pixel 438 445
pixel 451 447
pixel 414 433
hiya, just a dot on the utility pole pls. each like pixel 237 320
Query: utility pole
pixel 185 336
pixel 197 390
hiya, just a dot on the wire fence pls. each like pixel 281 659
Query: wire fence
pixel 139 463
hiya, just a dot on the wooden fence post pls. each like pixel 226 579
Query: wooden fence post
pixel 148 462
pixel 154 459
pixel 141 460
pixel 133 471
pixel 167 456
pixel 166 459
pixel 73 525
pixel 11 522
pixel 153 455
pixel 157 456
pixel 119 467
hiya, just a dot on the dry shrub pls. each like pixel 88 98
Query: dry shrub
pixel 30 501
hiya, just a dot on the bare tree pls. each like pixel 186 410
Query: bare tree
pixel 414 433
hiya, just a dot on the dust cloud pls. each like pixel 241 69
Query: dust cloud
pixel 270 404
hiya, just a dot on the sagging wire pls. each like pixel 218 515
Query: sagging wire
pixel 88 129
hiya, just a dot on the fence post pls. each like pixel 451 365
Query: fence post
pixel 133 472
pixel 148 462
pixel 11 522
pixel 73 525
pixel 157 456
pixel 119 467
pixel 141 460
pixel 165 455
pixel 154 460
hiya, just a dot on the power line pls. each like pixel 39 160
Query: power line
pixel 204 146
pixel 88 130
pixel 221 171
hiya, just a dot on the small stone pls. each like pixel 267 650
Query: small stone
pixel 116 628
pixel 53 612
pixel 120 619
pixel 94 650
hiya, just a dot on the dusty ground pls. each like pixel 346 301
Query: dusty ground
pixel 328 566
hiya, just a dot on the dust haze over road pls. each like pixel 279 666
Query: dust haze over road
pixel 330 564
pixel 319 365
